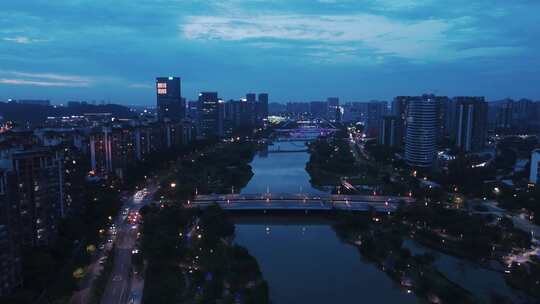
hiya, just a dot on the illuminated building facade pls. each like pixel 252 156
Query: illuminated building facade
pixel 10 260
pixel 534 176
pixel 334 113
pixel 262 108
pixel 422 131
pixel 374 115
pixel 170 105
pixel 36 194
pixel 111 150
pixel 210 117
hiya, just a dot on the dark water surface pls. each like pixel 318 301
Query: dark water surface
pixel 302 259
pixel 280 172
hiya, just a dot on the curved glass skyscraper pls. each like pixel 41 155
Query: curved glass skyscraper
pixel 422 131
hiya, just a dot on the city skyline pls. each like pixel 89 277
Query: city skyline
pixel 269 151
pixel 294 51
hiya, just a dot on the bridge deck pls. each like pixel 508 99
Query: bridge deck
pixel 298 201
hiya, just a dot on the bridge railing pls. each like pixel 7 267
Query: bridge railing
pixel 302 196
pixel 300 201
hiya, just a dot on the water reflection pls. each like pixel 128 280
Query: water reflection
pixel 482 282
pixel 280 172
pixel 302 258
pixel 305 262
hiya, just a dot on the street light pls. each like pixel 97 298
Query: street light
pixel 173 185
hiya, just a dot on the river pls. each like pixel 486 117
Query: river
pixel 302 258
pixel 304 261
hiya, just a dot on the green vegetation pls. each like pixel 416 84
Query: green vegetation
pixel 163 249
pixel 160 163
pixel 514 200
pixel 380 153
pixel 330 159
pixel 216 169
pixel 190 257
pixel 526 277
pixel 456 232
pixel 381 243
pixel 470 180
pixel 439 219
pixel 49 271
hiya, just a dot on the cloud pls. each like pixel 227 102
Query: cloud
pixel 407 39
pixel 52 76
pixel 44 79
pixel 479 52
pixel 393 5
pixel 281 46
pixel 40 83
pixel 23 40
pixel 140 86
pixel 421 40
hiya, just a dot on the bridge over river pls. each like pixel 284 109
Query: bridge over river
pixel 300 202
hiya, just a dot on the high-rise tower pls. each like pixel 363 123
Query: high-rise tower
pixel 470 122
pixel 422 131
pixel 210 115
pixel 169 99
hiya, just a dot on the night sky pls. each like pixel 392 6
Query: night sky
pixel 294 50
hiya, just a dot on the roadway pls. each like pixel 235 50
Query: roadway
pixel 301 196
pixel 124 237
pixel 124 285
pixel 118 288
pixel 297 201
pixel 298 206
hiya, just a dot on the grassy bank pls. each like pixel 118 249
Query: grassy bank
pixel 191 258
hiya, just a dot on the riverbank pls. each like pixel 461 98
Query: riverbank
pixel 330 159
pixel 222 168
pixel 188 253
pixel 303 261
pixel 446 232
pixel 191 257
pixel 382 243
pixel 284 247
